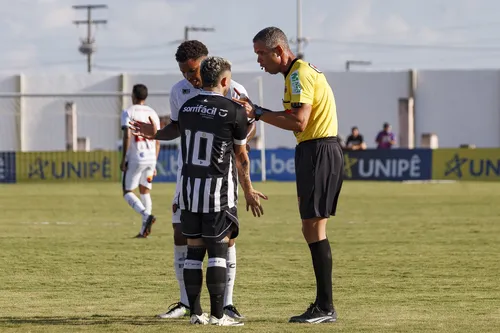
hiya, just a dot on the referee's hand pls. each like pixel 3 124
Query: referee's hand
pixel 246 103
pixel 253 202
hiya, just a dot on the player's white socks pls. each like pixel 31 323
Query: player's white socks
pixel 136 204
pixel 230 274
pixel 147 202
pixel 180 254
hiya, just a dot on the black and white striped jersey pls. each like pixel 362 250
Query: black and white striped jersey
pixel 209 125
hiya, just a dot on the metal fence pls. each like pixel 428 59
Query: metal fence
pixel 37 122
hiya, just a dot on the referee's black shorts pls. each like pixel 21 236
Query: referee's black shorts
pixel 319 169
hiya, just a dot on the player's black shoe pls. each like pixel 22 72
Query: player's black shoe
pixel 147 226
pixel 232 312
pixel 314 315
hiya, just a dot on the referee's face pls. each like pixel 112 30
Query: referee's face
pixel 267 58
pixel 190 69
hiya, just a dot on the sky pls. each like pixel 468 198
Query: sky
pixel 141 36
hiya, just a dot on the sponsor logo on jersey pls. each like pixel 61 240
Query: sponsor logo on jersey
pixel 295 83
pixel 200 109
pixel 185 91
pixel 222 113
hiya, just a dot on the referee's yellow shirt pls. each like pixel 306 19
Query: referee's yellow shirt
pixel 306 84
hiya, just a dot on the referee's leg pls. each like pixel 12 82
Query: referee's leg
pixel 318 187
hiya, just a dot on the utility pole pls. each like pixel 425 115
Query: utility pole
pixel 87 47
pixel 300 39
pixel 349 63
pixel 188 29
pixel 300 53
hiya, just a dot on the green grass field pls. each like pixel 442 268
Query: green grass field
pixel 407 258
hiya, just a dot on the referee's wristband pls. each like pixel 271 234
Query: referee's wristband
pixel 259 111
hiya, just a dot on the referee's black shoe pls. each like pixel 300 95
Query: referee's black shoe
pixel 314 315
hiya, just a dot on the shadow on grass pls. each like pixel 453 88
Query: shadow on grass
pixel 90 320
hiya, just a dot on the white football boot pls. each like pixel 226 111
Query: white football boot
pixel 176 310
pixel 224 321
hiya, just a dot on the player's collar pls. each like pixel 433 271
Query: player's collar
pixel 206 92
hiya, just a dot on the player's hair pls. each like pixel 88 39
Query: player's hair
pixel 140 92
pixel 272 37
pixel 190 49
pixel 211 70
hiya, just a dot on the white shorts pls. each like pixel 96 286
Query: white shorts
pixel 138 174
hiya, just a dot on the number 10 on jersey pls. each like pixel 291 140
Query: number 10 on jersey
pixel 202 148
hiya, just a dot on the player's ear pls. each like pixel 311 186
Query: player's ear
pixel 224 82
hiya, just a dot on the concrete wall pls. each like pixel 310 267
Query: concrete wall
pixel 459 106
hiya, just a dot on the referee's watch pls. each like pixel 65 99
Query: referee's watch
pixel 258 112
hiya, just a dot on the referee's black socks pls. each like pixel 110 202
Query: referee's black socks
pixel 321 254
pixel 193 277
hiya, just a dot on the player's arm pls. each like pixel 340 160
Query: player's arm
pixel 171 131
pixel 240 91
pixel 157 142
pixel 150 131
pixel 243 165
pixel 126 137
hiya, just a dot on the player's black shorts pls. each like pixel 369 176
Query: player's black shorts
pixel 210 225
pixel 319 168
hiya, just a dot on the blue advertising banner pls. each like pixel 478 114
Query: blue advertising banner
pixel 7 167
pixel 394 164
pixel 166 166
pixel 280 165
pixel 390 164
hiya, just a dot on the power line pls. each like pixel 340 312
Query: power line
pixel 87 47
pixel 408 46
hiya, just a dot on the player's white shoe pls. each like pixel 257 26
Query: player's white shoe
pixel 224 321
pixel 176 310
pixel 204 319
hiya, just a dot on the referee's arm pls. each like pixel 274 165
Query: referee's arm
pixel 295 119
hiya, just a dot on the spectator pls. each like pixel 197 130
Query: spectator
pixel 385 138
pixel 355 141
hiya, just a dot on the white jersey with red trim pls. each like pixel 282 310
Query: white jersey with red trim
pixel 141 151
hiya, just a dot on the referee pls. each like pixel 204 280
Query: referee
pixel 310 112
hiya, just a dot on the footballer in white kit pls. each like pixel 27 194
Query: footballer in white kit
pixel 189 56
pixel 139 157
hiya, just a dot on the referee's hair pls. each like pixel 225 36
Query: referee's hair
pixel 190 49
pixel 211 70
pixel 272 37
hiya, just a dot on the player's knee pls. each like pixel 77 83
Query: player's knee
pixel 195 242
pixel 231 242
pixel 143 189
pixel 217 249
pixel 179 238
pixel 126 191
